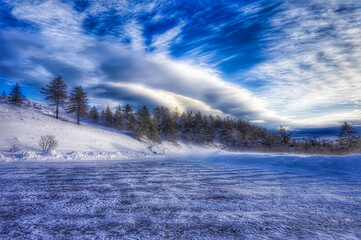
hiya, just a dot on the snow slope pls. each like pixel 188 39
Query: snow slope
pixel 23 127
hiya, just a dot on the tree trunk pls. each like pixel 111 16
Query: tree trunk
pixel 78 117
pixel 57 110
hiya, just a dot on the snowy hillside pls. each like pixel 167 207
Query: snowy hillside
pixel 23 127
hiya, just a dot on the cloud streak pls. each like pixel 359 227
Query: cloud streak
pixel 313 57
pixel 271 63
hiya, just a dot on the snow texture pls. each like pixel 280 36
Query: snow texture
pixel 174 199
pixel 322 165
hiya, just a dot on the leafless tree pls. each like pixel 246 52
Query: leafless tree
pixel 48 143
pixel 14 148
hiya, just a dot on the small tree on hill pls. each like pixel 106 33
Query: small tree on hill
pixel 128 119
pixel 55 91
pixel 108 117
pixel 348 137
pixel 78 103
pixel 16 97
pixel 4 96
pixel 117 118
pixel 94 114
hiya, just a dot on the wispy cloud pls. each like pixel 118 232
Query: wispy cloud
pixel 269 62
pixel 126 71
pixel 313 57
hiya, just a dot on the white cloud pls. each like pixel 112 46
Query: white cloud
pixel 314 58
pixel 332 119
pixel 313 61
pixel 152 77
pixel 162 42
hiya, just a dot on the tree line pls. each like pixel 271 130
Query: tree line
pixel 163 124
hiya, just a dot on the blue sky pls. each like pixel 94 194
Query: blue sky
pixel 295 63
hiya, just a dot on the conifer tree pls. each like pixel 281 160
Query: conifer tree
pixel 108 117
pixel 94 114
pixel 102 116
pixel 4 96
pixel 167 126
pixel 78 103
pixel 186 126
pixel 143 122
pixel 348 137
pixel 15 96
pixel 146 126
pixel 55 92
pixel 118 118
pixel 128 119
pixel 197 129
pixel 284 137
pixel 153 132
pixel 209 129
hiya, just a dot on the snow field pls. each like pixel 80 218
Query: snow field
pixel 174 199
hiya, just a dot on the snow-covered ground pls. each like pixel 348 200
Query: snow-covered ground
pixel 23 127
pixel 187 193
pixel 320 165
pixel 175 199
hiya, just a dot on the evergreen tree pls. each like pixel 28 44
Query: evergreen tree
pixel 118 118
pixel 198 129
pixel 143 122
pixel 128 119
pixel 166 123
pixel 4 96
pixel 15 96
pixel 94 114
pixel 209 129
pixel 78 103
pixel 108 117
pixel 348 137
pixel 153 131
pixel 185 126
pixel 146 126
pixel 55 91
pixel 102 116
pixel 284 137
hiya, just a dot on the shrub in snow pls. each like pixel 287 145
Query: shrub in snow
pixel 14 148
pixel 48 143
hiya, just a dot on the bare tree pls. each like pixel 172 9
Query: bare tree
pixel 14 148
pixel 48 143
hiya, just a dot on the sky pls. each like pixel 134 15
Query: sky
pixel 281 62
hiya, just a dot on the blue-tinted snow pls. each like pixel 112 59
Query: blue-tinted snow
pixel 177 199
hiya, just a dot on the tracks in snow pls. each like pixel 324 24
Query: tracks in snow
pixel 173 199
